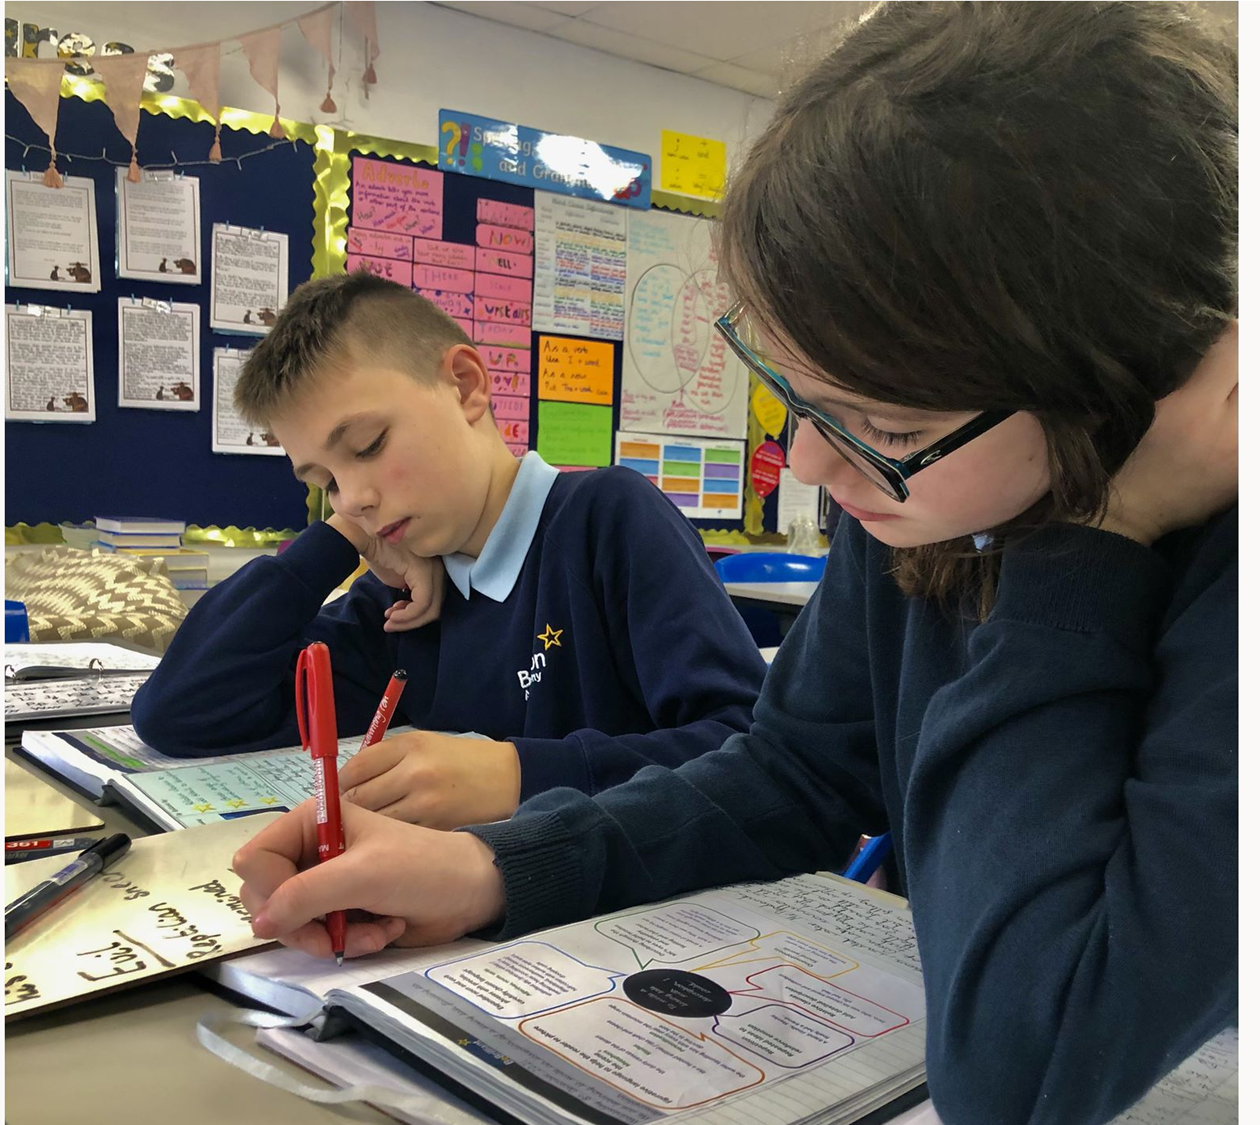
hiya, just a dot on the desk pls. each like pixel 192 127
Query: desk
pixel 775 594
pixel 134 1057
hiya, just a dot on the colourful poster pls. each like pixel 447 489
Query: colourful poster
pixel 767 463
pixel 703 478
pixel 493 332
pixel 510 383
pixel 505 214
pixel 692 165
pixel 398 198
pixel 580 281
pixel 574 434
pixel 500 261
pixel 508 359
pixel 575 370
pixel 450 254
pixel 377 245
pixel 505 238
pixel 389 268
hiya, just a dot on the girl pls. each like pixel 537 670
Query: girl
pixel 986 255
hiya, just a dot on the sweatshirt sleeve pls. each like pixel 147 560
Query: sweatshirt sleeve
pixel 225 684
pixel 790 795
pixel 678 641
pixel 1071 836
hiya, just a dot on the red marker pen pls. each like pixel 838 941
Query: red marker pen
pixel 385 709
pixel 317 725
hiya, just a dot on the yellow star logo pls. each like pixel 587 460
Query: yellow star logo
pixel 550 637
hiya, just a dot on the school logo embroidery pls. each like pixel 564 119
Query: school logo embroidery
pixel 532 675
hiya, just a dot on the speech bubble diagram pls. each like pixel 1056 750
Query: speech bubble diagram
pixel 828 1001
pixel 783 945
pixel 670 935
pixel 642 1054
pixel 525 978
pixel 782 1036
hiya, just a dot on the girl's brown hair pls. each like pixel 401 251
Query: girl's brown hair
pixel 1028 206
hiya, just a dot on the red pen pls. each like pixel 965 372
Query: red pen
pixel 385 709
pixel 317 725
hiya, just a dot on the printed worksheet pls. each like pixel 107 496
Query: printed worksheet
pixel 159 345
pixel 249 278
pixel 159 228
pixel 52 237
pixel 671 1007
pixel 48 373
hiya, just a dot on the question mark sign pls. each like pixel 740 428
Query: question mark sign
pixel 456 133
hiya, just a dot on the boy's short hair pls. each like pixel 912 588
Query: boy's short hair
pixel 330 322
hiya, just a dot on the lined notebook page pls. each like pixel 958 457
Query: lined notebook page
pixel 1203 1090
pixel 803 1095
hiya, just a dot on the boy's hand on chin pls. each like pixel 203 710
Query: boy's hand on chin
pixel 436 780
pixel 423 578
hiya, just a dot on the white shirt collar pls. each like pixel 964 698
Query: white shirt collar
pixel 494 572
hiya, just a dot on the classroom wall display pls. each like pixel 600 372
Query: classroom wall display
pixel 693 165
pixel 51 234
pixel 249 278
pixel 231 433
pixel 581 268
pixel 705 478
pixel 679 375
pixel 159 228
pixel 159 352
pixel 160 460
pixel 48 366
pixel 527 157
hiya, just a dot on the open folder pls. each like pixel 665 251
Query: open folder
pixel 787 1003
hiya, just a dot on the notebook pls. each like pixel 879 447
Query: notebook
pixel 166 907
pixel 90 695
pixel 112 765
pixel 53 661
pixel 781 1003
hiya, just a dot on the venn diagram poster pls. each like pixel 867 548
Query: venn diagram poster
pixel 684 1003
pixel 678 374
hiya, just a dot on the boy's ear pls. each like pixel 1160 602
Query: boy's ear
pixel 467 370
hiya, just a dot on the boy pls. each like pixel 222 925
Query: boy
pixel 574 619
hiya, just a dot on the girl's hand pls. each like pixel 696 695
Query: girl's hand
pixel 1185 469
pixel 436 780
pixel 398 568
pixel 418 887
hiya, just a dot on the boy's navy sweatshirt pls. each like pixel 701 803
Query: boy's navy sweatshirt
pixel 616 648
pixel 1060 782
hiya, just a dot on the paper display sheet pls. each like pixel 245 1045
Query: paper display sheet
pixel 158 350
pixel 678 375
pixel 231 433
pixel 159 228
pixel 705 479
pixel 52 236
pixel 669 1008
pixel 249 278
pixel 48 369
pixel 580 275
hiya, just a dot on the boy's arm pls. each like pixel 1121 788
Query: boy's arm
pixel 226 682
pixel 679 639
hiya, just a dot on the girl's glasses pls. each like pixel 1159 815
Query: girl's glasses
pixel 888 474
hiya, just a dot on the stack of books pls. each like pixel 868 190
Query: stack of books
pixel 156 538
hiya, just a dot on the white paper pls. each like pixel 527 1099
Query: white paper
pixel 52 237
pixel 579 267
pixel 796 499
pixel 231 433
pixel 704 478
pixel 678 374
pixel 48 368
pixel 158 350
pixel 249 279
pixel 159 229
pixel 91 655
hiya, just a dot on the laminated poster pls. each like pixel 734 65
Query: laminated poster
pixel 48 368
pixel 158 348
pixel 52 238
pixel 249 278
pixel 231 433
pixel 159 228
pixel 574 434
pixel 580 280
pixel 703 478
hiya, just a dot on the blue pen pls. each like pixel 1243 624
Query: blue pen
pixel 867 861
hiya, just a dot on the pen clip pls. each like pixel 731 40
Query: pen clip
pixel 299 683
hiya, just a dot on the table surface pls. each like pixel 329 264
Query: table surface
pixel 779 593
pixel 135 1055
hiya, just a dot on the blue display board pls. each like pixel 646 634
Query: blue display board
pixel 148 462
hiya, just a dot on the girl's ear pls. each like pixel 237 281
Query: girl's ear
pixel 467 371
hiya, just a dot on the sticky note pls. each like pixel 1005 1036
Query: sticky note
pixel 575 370
pixel 572 433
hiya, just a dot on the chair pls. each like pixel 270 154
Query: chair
pixel 767 627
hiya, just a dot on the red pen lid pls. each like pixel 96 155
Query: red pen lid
pixel 316 709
